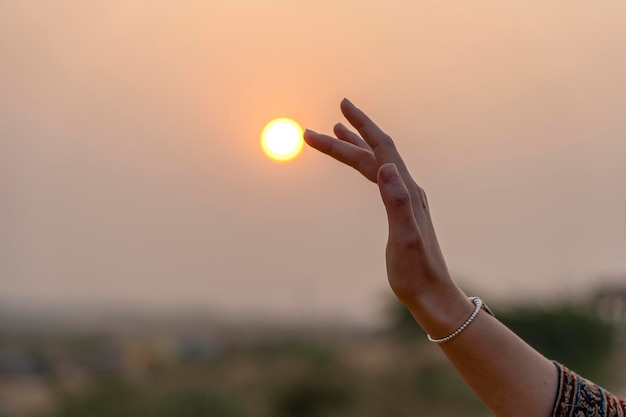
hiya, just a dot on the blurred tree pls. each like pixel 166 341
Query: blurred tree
pixel 440 383
pixel 114 398
pixel 402 325
pixel 317 385
pixel 311 397
pixel 307 350
pixel 571 335
pixel 196 402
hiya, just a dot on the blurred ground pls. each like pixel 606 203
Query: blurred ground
pixel 199 367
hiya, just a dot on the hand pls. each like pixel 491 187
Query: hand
pixel 416 268
pixel 511 378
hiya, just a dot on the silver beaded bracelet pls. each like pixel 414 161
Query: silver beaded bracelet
pixel 479 303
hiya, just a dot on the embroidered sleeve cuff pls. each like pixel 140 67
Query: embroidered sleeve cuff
pixel 577 396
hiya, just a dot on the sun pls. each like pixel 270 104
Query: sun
pixel 281 139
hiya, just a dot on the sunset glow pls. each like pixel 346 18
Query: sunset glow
pixel 134 176
pixel 281 139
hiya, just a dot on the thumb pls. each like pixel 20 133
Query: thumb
pixel 395 194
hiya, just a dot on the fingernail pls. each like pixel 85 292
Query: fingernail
pixel 389 173
pixel 348 101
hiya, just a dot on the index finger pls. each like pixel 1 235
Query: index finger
pixel 380 142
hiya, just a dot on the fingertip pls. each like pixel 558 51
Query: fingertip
pixel 355 116
pixel 309 135
pixel 339 126
pixel 388 173
pixel 346 105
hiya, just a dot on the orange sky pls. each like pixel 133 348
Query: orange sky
pixel 131 174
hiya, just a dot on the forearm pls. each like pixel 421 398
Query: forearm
pixel 508 375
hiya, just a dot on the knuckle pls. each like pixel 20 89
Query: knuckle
pixel 407 242
pixel 332 148
pixel 414 188
pixel 386 140
pixel 420 197
pixel 400 200
pixel 412 242
pixel 424 198
pixel 422 193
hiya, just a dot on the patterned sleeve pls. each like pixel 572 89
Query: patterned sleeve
pixel 578 397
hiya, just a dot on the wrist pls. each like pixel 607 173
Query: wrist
pixel 440 312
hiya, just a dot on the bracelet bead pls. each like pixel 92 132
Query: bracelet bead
pixel 479 303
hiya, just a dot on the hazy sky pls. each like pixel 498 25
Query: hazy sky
pixel 131 175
